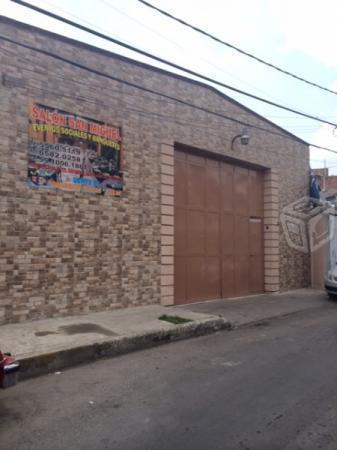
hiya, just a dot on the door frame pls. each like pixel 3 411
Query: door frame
pixel 271 232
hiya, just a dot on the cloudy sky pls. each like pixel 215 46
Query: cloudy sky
pixel 298 35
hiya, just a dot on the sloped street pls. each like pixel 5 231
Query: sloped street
pixel 270 386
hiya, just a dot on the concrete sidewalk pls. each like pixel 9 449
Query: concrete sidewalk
pixel 50 345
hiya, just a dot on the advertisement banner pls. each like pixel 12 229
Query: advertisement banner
pixel 72 152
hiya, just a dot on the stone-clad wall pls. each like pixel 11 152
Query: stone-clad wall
pixel 66 253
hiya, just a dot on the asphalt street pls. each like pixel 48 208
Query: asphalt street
pixel 271 386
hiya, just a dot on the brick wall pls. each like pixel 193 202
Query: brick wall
pixel 66 253
pixel 330 182
pixel 327 182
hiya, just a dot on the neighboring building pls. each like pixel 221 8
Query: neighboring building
pixel 331 182
pixel 328 183
pixel 323 172
pixel 187 213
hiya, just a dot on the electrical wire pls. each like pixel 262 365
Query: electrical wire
pixel 169 63
pixel 144 112
pixel 129 107
pixel 161 95
pixel 181 47
pixel 328 161
pixel 233 47
pixel 172 119
pixel 215 66
pixel 244 115
pixel 148 90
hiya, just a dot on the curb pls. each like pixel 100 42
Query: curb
pixel 264 320
pixel 36 365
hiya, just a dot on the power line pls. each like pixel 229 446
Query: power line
pixel 184 48
pixel 148 90
pixel 129 107
pixel 81 82
pixel 177 45
pixel 159 94
pixel 169 63
pixel 227 44
pixel 324 159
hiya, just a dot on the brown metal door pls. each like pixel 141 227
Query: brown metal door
pixel 247 243
pixel 197 228
pixel 218 229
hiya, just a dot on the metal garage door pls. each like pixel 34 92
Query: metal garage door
pixel 218 229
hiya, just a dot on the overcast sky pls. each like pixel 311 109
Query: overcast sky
pixel 298 35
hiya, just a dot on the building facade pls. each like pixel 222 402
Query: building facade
pixel 327 183
pixel 163 205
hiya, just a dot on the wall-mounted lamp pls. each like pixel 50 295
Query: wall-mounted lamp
pixel 244 138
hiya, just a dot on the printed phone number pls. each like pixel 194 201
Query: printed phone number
pixel 53 150
pixel 55 154
pixel 56 163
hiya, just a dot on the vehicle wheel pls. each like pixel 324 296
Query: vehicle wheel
pixel 332 296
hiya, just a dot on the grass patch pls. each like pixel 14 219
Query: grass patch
pixel 176 320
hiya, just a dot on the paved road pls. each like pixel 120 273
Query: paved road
pixel 245 310
pixel 268 387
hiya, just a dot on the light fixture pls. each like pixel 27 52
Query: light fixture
pixel 244 138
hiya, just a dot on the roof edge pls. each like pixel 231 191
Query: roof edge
pixel 128 60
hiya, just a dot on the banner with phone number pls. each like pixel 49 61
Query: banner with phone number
pixel 73 152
